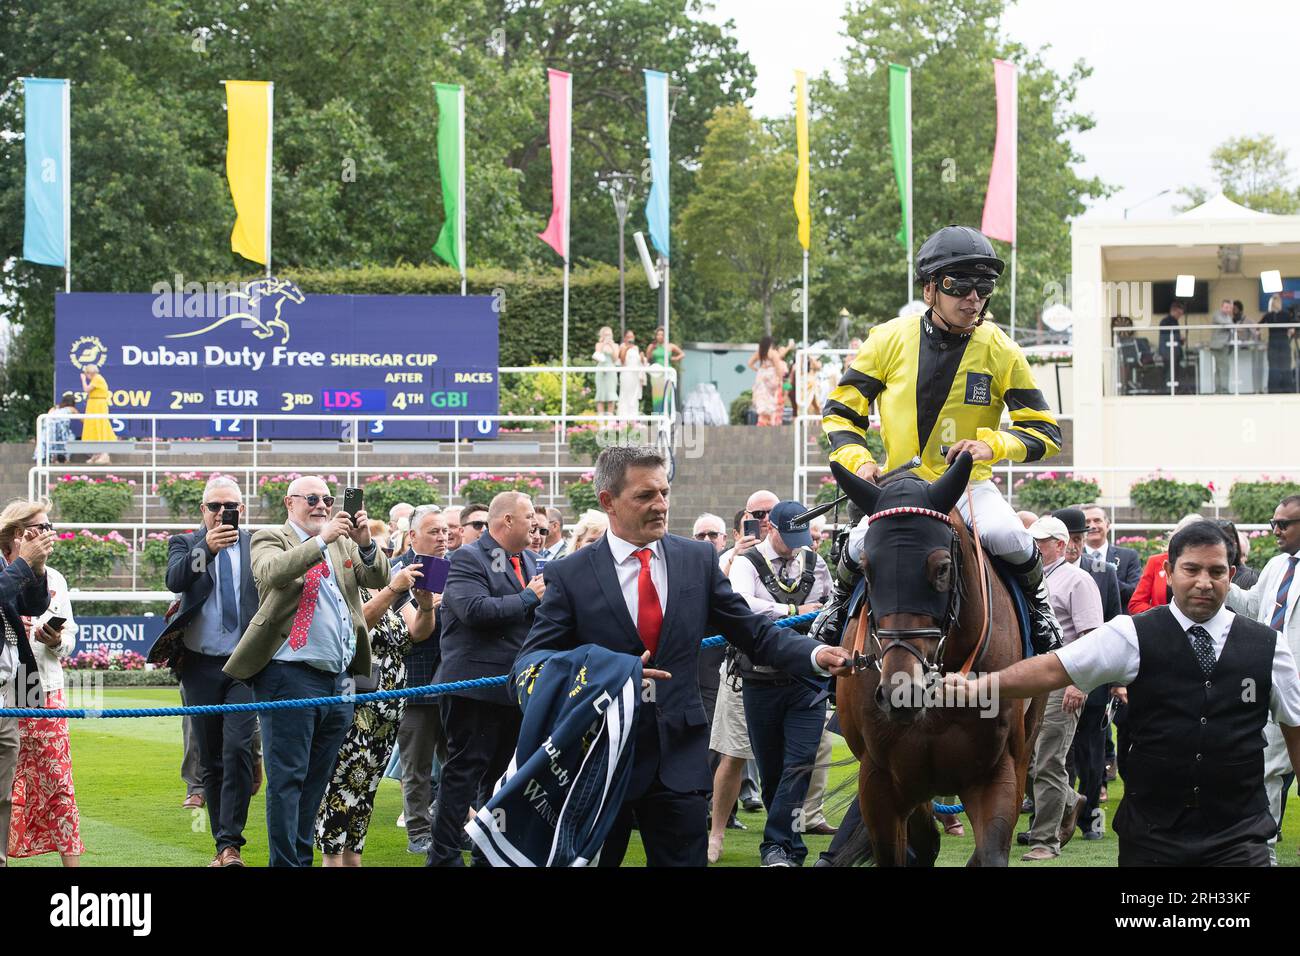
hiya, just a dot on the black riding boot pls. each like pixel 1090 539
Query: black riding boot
pixel 1045 631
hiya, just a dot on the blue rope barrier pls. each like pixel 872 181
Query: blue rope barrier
pixel 947 807
pixel 428 690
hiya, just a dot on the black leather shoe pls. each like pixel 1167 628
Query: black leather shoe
pixel 734 824
pixel 1022 839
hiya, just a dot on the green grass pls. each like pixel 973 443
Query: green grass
pixel 127 774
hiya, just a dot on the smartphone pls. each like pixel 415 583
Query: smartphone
pixel 435 573
pixel 230 517
pixel 541 565
pixel 752 527
pixel 57 622
pixel 352 503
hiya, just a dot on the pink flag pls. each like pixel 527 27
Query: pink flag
pixel 557 230
pixel 1000 201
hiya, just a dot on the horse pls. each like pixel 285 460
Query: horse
pixel 932 604
pixel 251 316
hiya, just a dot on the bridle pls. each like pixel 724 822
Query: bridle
pixel 900 637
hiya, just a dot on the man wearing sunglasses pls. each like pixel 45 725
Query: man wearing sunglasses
pixel 308 635
pixel 212 572
pixel 1273 601
pixel 473 522
pixel 944 379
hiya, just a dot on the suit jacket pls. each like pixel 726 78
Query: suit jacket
pixel 486 617
pixel 583 604
pixel 1153 587
pixel 1129 570
pixel 1259 601
pixel 23 592
pixel 184 553
pixel 280 561
pixel 1108 587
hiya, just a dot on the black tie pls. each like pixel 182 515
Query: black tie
pixel 1203 647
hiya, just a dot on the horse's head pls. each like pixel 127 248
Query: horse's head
pixel 909 559
pixel 287 288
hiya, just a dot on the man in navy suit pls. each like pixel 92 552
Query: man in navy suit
pixel 492 591
pixel 1126 562
pixel 212 571
pixel 641 591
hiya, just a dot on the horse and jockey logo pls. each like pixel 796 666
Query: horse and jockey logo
pixel 88 350
pixel 249 309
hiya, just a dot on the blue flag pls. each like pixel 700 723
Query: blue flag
pixel 46 224
pixel 656 109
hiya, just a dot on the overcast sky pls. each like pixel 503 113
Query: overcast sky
pixel 1171 78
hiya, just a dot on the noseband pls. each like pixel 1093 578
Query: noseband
pixel 900 637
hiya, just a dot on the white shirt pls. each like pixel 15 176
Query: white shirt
pixel 746 582
pixel 628 568
pixel 1110 655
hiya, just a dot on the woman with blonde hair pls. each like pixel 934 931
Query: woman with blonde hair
pixel 96 429
pixel 590 526
pixel 606 356
pixel 45 817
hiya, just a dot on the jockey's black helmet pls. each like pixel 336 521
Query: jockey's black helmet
pixel 957 249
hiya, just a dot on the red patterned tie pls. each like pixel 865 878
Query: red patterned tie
pixel 649 615
pixel 307 606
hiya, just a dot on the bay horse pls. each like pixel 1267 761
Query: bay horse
pixel 932 604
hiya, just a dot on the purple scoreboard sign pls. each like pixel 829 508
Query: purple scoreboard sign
pixel 266 348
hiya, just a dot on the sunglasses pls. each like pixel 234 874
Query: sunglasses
pixel 215 506
pixel 477 525
pixel 760 514
pixel 314 500
pixel 42 526
pixel 711 535
pixel 1281 524
pixel 960 286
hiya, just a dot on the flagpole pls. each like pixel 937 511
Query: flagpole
pixel 461 243
pixel 568 207
pixel 907 108
pixel 1015 190
pixel 270 135
pixel 67 185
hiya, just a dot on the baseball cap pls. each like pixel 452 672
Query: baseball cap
pixel 1075 521
pixel 781 517
pixel 1049 527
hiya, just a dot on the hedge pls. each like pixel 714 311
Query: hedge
pixel 530 304
pixel 160 677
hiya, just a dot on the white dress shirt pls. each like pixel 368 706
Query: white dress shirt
pixel 1110 655
pixel 628 568
pixel 746 582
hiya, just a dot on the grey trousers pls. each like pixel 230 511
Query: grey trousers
pixel 420 738
pixel 8 765
pixel 191 768
pixel 1051 784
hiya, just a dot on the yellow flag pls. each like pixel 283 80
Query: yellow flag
pixel 248 166
pixel 801 177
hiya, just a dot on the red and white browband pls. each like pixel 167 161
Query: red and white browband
pixel 909 510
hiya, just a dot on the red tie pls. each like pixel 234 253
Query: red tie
pixel 649 615
pixel 519 572
pixel 307 606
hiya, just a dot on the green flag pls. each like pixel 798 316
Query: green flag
pixel 450 246
pixel 900 139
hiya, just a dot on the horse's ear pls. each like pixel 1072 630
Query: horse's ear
pixel 947 488
pixel 864 494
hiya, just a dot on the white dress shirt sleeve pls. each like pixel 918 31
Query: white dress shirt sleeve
pixel 745 582
pixel 1108 655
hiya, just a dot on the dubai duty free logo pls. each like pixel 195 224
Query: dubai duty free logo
pixel 88 350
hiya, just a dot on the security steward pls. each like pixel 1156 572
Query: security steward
pixel 1202 683
pixel 944 379
pixel 783 576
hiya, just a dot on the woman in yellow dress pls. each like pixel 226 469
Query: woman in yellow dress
pixel 96 429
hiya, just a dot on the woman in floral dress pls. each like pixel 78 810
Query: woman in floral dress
pixel 45 817
pixel 344 814
pixel 769 371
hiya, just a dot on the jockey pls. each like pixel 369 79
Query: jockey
pixel 944 378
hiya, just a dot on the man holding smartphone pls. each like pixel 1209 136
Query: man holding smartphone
pixel 308 635
pixel 211 569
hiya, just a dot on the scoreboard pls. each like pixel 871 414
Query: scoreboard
pixel 266 348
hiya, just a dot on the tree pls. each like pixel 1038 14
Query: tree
pixel 738 228
pixel 950 45
pixel 1252 171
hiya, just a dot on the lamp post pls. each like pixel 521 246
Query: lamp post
pixel 620 193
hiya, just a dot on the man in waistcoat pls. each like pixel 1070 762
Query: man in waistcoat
pixel 1202 683
pixel 780 578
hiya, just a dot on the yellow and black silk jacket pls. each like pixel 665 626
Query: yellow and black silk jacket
pixel 934 388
